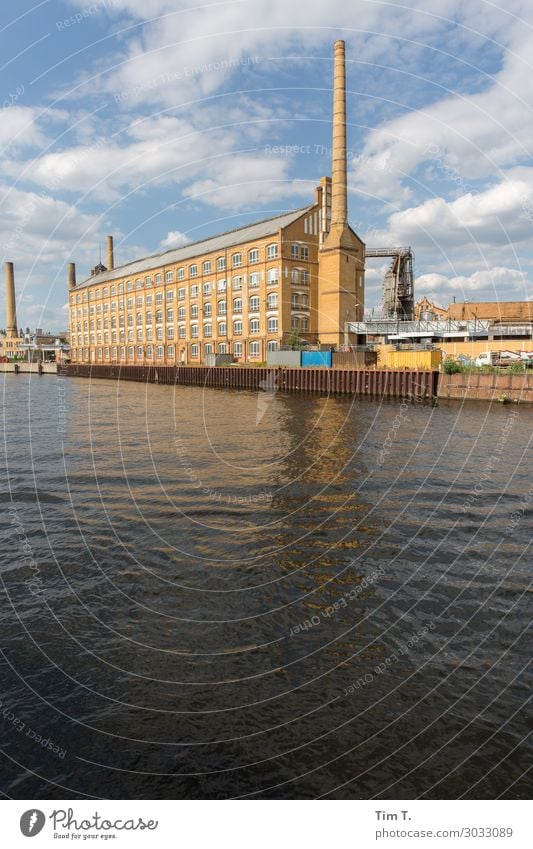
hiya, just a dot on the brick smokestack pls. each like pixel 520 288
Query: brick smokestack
pixel 339 196
pixel 11 308
pixel 110 254
pixel 71 273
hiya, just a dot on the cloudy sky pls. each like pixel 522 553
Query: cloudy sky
pixel 162 121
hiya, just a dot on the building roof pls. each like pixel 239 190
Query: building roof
pixel 220 242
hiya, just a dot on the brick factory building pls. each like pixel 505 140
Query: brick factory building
pixel 241 293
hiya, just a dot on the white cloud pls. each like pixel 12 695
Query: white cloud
pixel 492 284
pixel 174 239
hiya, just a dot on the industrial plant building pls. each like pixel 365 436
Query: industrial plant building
pixel 242 293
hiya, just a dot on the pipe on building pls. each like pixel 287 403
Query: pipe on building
pixel 71 274
pixel 110 254
pixel 339 196
pixel 11 307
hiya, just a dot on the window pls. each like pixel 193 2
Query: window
pixel 139 302
pixel 130 321
pixel 221 285
pixel 222 328
pixel 272 276
pixel 160 352
pixel 304 301
pixel 160 334
pixel 295 251
pixel 237 328
pixel 253 256
pixel 236 260
pixel 131 353
pixel 237 305
pixel 207 288
pixel 149 300
pixel 181 314
pixel 208 348
pixel 208 329
pixel 138 285
pixel 272 325
pixel 272 346
pixel 208 310
pixel 272 301
pixel 237 283
pixel 123 353
pixel 139 335
pixel 254 325
pixel 149 351
pixel 148 318
pixel 113 353
pixel 170 295
pixel 294 323
pixel 254 349
pixel 180 274
pixel 295 274
pixel 158 278
pixel 193 271
pixel 294 301
pixel 171 352
pixel 272 252
pixel 194 291
pixel 106 353
pixel 181 294
pixel 159 317
pixel 222 348
pixel 140 352
pixel 254 280
pixel 305 277
pixel 304 253
pixel 195 351
pixel 237 349
pixel 159 298
pixel 194 311
pixel 221 308
pixel 149 334
pixel 170 333
pixel 194 331
pixel 182 332
pixel 221 263
pixel 169 277
pixel 304 324
pixel 170 315
pixel 206 268
pixel 147 281
pixel 254 303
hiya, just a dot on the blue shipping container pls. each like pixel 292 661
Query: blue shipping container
pixel 314 359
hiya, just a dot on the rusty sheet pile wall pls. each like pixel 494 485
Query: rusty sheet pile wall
pixel 394 384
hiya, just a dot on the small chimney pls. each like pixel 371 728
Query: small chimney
pixel 11 308
pixel 71 273
pixel 110 254
pixel 339 196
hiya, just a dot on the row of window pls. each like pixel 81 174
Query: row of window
pixel 300 323
pixel 253 256
pixel 237 348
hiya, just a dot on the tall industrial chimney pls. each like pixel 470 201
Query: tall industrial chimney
pixel 341 257
pixel 71 273
pixel 110 254
pixel 11 307
pixel 339 198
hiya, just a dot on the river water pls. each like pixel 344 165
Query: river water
pixel 215 594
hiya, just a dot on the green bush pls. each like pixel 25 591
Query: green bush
pixel 451 367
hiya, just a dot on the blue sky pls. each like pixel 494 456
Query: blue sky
pixel 161 122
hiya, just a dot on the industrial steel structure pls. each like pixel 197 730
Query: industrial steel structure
pixel 398 285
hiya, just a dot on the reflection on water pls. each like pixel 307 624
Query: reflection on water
pixel 325 598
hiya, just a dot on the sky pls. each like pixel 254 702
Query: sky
pixel 163 121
